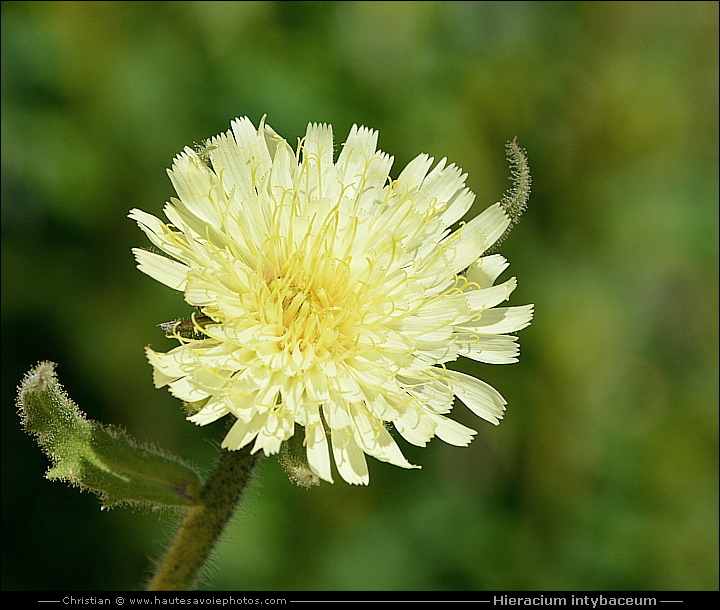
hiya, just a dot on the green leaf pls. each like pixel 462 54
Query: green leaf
pixel 101 459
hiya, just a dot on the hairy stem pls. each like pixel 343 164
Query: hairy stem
pixel 202 526
pixel 515 200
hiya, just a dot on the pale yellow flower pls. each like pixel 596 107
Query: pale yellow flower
pixel 332 295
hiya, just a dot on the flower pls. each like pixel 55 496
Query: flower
pixel 331 296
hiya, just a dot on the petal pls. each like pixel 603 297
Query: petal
pixel 416 426
pixel 252 149
pixel 242 432
pixel 414 173
pixel 481 398
pixel 231 164
pixel 198 189
pixel 489 297
pixel 212 411
pixel 485 270
pixel 457 206
pixel 492 349
pixel 185 389
pixel 434 395
pixel 317 178
pixel 279 426
pixel 318 453
pixel 171 365
pixel 362 169
pixel 160 268
pixel 349 458
pixel 500 320
pixel 157 232
pixel 283 168
pixel 375 439
pixel 452 432
pixel 471 240
pixel 446 185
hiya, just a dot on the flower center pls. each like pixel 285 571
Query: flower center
pixel 311 318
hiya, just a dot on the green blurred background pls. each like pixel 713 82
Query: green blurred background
pixel 603 475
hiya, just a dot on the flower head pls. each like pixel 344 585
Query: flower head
pixel 330 295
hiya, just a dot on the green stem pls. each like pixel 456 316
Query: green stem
pixel 202 525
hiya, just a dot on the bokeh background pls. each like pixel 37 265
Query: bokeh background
pixel 603 475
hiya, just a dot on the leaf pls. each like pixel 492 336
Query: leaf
pixel 102 459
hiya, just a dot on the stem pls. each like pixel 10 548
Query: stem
pixel 202 525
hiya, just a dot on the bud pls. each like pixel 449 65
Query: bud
pixel 514 202
pixel 293 457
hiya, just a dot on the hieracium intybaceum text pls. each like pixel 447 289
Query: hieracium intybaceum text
pixel 329 296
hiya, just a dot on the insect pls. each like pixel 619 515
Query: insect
pixel 186 328
pixel 203 151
